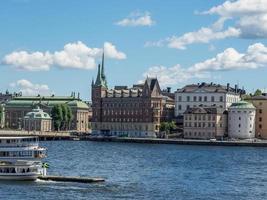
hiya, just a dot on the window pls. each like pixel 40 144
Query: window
pixel 260 119
pixel 199 98
pixel 195 98
pixel 260 126
pixel 179 98
pixel 260 111
pixel 205 98
pixel 239 118
pixel 188 98
pixel 212 98
pixel 221 98
pixel 239 125
pixel 187 107
pixel 179 107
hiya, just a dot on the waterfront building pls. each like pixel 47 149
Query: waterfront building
pixel 205 95
pixel 241 120
pixel 18 107
pixel 260 102
pixel 205 123
pixel 37 120
pixel 123 111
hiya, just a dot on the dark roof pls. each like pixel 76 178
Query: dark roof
pixel 211 87
pixel 261 97
pixel 151 82
pixel 205 110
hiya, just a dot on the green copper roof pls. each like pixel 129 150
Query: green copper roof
pixel 37 114
pixel 78 104
pixel 101 77
pixel 28 101
pixel 242 104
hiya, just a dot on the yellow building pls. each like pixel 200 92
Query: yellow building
pixel 205 123
pixel 260 102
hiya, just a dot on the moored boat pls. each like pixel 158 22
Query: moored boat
pixel 20 158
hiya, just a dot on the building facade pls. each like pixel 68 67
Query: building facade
pixel 241 120
pixel 123 111
pixel 260 102
pixel 205 123
pixel 37 120
pixel 205 95
pixel 18 107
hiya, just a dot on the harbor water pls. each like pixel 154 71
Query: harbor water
pixel 148 171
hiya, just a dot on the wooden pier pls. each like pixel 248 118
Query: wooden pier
pixel 76 179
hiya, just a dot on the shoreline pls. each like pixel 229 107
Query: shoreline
pixel 258 143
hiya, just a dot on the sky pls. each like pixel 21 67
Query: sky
pixel 53 47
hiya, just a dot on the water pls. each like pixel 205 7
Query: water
pixel 148 171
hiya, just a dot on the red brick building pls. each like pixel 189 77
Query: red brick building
pixel 123 111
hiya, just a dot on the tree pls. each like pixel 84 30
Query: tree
pixel 57 116
pixel 70 116
pixel 65 119
pixel 167 126
pixel 1 115
pixel 258 92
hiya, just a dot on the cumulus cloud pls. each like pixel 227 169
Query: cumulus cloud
pixel 250 16
pixel 249 19
pixel 230 59
pixel 203 35
pixel 29 88
pixel 75 55
pixel 137 19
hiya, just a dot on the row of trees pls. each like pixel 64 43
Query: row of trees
pixel 62 117
pixel 258 92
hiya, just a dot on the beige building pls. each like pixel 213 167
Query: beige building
pixel 18 107
pixel 37 120
pixel 205 123
pixel 260 102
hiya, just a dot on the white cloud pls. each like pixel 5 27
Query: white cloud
pixel 230 59
pixel 74 55
pixel 203 35
pixel 249 19
pixel 250 16
pixel 36 61
pixel 137 19
pixel 28 88
pixel 112 52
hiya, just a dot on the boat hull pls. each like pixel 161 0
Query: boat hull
pixel 19 177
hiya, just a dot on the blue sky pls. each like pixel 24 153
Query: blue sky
pixel 141 38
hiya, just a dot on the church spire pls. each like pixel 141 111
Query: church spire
pixel 103 76
pixel 98 79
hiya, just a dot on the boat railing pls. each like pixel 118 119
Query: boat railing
pixel 22 144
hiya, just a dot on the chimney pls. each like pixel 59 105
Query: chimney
pixel 169 89
pixel 228 87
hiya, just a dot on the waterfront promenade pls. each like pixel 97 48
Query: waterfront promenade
pixel 180 141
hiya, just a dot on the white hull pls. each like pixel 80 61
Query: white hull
pixel 19 177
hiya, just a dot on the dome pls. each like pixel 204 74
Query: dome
pixel 242 105
pixel 78 104
pixel 37 114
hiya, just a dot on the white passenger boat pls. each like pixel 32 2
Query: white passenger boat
pixel 20 158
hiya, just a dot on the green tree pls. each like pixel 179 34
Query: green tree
pixel 65 119
pixel 167 126
pixel 258 92
pixel 69 116
pixel 1 114
pixel 57 116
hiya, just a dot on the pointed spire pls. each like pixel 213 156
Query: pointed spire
pixel 93 82
pixel 103 76
pixel 98 79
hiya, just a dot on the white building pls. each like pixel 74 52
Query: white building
pixel 205 95
pixel 241 120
